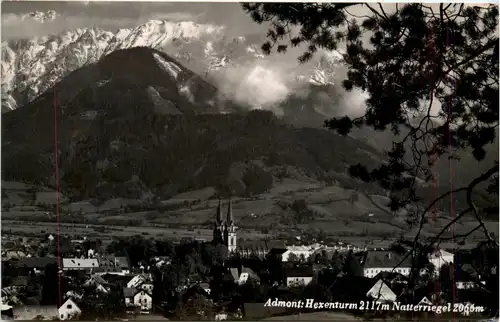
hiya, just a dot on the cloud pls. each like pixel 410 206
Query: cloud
pixel 257 85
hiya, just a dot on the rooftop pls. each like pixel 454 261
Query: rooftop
pixel 129 291
pixel 298 271
pixel 80 263
pixel 385 259
pixel 38 262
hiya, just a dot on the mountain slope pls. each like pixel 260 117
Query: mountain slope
pixel 148 78
pixel 134 131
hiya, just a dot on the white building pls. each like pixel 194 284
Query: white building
pixel 68 310
pixel 298 280
pixel 341 247
pixel 375 262
pixel 143 300
pixel 307 251
pixel 297 251
pixel 298 276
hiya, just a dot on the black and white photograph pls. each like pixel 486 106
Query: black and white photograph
pixel 249 161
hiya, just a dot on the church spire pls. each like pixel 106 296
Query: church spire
pixel 218 216
pixel 229 219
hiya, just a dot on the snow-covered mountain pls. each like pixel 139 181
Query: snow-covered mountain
pixel 32 66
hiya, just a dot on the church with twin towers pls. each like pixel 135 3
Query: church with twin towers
pixel 225 230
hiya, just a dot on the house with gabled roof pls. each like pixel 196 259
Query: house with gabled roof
pixel 136 281
pixel 113 265
pixel 144 300
pixel 117 279
pixel 194 290
pixel 138 298
pixel 392 277
pixel 244 274
pixel 467 277
pixel 69 310
pixel 381 292
pixel 424 301
pixel 352 289
pixel 38 264
pixel 98 283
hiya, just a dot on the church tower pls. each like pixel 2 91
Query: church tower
pixel 230 231
pixel 225 230
pixel 218 234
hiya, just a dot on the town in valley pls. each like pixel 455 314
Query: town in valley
pixel 223 279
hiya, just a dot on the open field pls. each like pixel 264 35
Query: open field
pixel 115 231
pixel 329 209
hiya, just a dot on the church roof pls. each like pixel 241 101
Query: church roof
pixel 252 244
pixel 218 215
pixel 261 244
pixel 229 215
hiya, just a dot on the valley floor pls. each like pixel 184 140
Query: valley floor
pixel 289 209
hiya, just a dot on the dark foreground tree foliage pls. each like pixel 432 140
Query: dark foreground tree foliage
pixel 409 59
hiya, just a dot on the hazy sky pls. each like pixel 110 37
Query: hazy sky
pixel 115 15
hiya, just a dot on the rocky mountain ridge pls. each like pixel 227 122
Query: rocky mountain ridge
pixel 31 66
